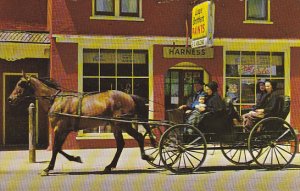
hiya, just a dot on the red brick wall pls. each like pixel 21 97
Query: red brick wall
pixel 231 14
pixel 168 19
pixel 64 62
pixel 294 87
pixel 73 17
pixel 213 66
pixel 64 70
pixel 29 15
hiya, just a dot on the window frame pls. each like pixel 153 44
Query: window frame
pixel 240 105
pixel 118 15
pixel 104 12
pixel 249 20
pixel 130 14
pixel 134 79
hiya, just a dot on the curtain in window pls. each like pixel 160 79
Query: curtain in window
pixel 104 5
pixel 257 9
pixel 129 6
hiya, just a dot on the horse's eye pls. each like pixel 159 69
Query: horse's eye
pixel 22 84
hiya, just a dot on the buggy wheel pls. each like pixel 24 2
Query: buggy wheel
pixel 238 153
pixel 182 148
pixel 277 140
pixel 151 148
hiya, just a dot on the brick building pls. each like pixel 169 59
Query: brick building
pixel 140 47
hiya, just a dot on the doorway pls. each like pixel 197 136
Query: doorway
pixel 16 117
pixel 179 86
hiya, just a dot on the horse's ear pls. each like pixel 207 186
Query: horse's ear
pixel 23 74
pixel 27 78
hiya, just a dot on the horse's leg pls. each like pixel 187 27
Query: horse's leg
pixel 70 157
pixel 120 145
pixel 59 138
pixel 148 130
pixel 139 138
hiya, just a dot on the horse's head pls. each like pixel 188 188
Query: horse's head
pixel 22 90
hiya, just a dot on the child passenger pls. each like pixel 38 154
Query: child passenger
pixel 198 113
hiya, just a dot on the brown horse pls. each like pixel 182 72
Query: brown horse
pixel 110 104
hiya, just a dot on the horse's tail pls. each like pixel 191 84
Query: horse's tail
pixel 141 109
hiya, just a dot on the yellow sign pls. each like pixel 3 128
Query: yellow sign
pixel 182 52
pixel 202 24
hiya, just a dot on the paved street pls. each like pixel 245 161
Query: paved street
pixel 132 173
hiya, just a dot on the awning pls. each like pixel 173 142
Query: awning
pixel 15 45
pixel 26 37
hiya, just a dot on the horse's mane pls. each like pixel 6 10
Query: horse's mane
pixel 50 82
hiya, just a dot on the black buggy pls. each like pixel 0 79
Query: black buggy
pixel 271 143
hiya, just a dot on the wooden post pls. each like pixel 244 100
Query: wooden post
pixel 32 129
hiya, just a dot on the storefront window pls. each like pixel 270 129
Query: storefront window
pixel 110 69
pixel 243 71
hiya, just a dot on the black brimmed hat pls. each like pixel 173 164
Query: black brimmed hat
pixel 213 86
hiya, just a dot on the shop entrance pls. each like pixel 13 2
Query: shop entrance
pixel 179 84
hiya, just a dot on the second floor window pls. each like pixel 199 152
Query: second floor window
pixel 129 8
pixel 257 10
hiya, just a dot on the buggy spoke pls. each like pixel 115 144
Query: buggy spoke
pixel 275 151
pixel 281 154
pixel 284 150
pixel 269 149
pixel 193 156
pixel 189 160
pixel 283 134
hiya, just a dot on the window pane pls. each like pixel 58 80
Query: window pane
pixel 141 87
pixel 232 63
pixel 90 84
pixel 107 70
pixel 263 68
pixel 124 62
pixel 90 69
pixel 257 9
pixel 104 7
pixel 232 89
pixel 174 77
pixel 124 85
pixel 247 67
pixel 280 86
pixel 248 91
pixel 140 63
pixel 107 84
pixel 129 7
pixel 277 64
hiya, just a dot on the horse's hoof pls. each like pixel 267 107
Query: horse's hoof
pixel 147 158
pixel 45 173
pixel 78 159
pixel 107 170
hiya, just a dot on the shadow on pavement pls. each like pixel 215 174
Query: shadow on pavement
pixel 202 170
pixel 139 171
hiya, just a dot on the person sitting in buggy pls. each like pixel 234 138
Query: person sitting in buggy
pixel 267 107
pixel 212 117
pixel 198 113
pixel 194 99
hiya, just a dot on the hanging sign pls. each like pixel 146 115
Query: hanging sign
pixel 202 24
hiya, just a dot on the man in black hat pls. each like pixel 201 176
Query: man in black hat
pixel 198 91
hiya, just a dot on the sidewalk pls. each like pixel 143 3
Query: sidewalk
pixel 93 159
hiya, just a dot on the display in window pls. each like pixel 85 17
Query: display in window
pixel 248 91
pixel 232 90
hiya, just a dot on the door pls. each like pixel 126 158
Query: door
pixel 16 117
pixel 179 85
